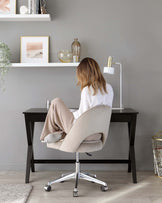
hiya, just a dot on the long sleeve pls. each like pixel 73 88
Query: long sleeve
pixel 83 104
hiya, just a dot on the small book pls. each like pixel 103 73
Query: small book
pixel 38 11
pixel 30 6
pixel 34 6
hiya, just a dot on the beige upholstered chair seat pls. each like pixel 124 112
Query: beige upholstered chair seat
pixel 86 145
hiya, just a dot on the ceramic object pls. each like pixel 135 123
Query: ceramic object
pixel 23 10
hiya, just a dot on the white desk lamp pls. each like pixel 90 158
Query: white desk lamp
pixel 110 70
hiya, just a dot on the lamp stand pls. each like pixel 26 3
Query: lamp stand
pixel 121 86
pixel 121 89
pixel 110 70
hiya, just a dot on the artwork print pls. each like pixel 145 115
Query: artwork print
pixel 34 49
pixel 7 6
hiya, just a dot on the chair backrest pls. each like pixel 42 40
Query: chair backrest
pixel 95 120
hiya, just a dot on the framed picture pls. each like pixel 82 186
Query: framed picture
pixel 43 6
pixel 7 6
pixel 34 49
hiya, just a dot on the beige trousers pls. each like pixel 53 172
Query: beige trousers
pixel 59 118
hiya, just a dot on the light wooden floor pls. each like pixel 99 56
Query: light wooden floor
pixel 122 190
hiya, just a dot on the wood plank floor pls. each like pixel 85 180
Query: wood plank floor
pixel 121 189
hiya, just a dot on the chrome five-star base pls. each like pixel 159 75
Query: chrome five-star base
pixel 77 175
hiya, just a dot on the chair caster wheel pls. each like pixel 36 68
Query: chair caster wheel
pixel 47 188
pixel 104 188
pixel 75 193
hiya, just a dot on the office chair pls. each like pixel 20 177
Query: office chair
pixel 94 122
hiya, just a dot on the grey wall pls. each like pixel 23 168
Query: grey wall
pixel 128 30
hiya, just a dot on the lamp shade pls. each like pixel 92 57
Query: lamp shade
pixel 109 70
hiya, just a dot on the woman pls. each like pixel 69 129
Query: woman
pixel 94 91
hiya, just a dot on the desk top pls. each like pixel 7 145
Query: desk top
pixel 114 111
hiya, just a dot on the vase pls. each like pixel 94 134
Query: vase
pixel 75 47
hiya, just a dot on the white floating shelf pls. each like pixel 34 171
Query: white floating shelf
pixel 25 17
pixel 21 65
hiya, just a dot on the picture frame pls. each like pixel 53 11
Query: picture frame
pixel 43 6
pixel 7 7
pixel 34 49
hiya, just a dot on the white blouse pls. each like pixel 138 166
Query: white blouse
pixel 88 100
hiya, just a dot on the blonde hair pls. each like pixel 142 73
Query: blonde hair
pixel 89 74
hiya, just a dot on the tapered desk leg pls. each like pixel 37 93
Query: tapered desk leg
pixel 133 163
pixel 132 150
pixel 29 128
pixel 28 164
pixel 129 160
pixel 32 158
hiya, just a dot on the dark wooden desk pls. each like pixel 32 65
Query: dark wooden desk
pixel 38 115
